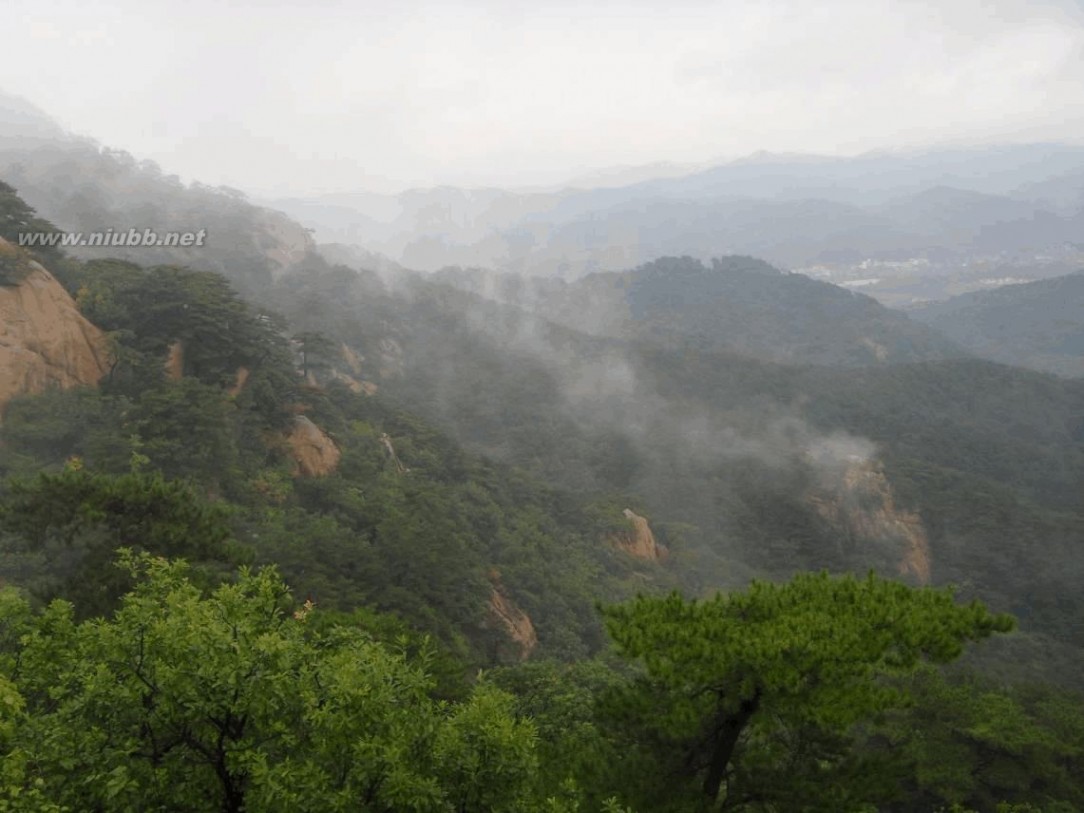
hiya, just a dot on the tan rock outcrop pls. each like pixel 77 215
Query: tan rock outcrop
pixel 505 615
pixel 239 382
pixel 44 340
pixel 639 540
pixel 314 453
pixel 863 507
pixel 352 358
pixel 175 361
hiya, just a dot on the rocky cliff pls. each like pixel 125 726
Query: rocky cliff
pixel 638 541
pixel 314 453
pixel 506 616
pixel 861 506
pixel 44 340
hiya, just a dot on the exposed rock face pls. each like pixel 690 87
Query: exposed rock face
pixel 239 382
pixel 864 509
pixel 353 378
pixel 389 447
pixel 360 387
pixel 352 358
pixel 506 616
pixel 639 541
pixel 44 340
pixel 314 453
pixel 287 242
pixel 175 361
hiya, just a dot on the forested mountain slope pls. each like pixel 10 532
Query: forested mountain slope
pixel 346 492
pixel 1037 324
pixel 737 304
pixel 417 459
pixel 952 471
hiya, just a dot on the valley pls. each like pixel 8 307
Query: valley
pixel 624 524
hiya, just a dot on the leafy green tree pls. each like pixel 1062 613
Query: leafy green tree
pixel 754 696
pixel 42 431
pixel 232 702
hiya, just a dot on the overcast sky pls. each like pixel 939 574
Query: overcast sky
pixel 284 97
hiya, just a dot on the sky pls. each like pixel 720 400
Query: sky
pixel 292 98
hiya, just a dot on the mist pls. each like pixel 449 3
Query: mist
pixel 285 99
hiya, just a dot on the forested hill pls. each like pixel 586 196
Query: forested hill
pixel 1037 324
pixel 737 304
pixel 418 461
pixel 743 466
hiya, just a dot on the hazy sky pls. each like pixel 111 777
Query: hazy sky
pixel 285 97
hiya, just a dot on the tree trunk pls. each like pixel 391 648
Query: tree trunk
pixel 726 739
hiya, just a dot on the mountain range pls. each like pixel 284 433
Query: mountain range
pixel 758 420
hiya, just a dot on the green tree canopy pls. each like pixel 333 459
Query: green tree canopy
pixel 74 521
pixel 753 695
pixel 233 702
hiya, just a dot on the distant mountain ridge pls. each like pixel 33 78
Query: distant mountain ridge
pixel 792 210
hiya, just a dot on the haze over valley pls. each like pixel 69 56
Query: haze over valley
pixel 521 409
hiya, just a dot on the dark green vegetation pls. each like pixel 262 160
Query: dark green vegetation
pixel 1037 324
pixel 241 699
pixel 362 535
pixel 494 462
pixel 737 304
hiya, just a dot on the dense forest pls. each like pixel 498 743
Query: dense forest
pixel 859 592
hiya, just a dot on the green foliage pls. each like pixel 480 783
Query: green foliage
pixel 188 429
pixel 160 306
pixel 755 695
pixel 43 431
pixel 577 758
pixel 15 266
pixel 315 349
pixel 1036 324
pixel 18 218
pixel 65 528
pixel 967 742
pixel 229 703
pixel 194 694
